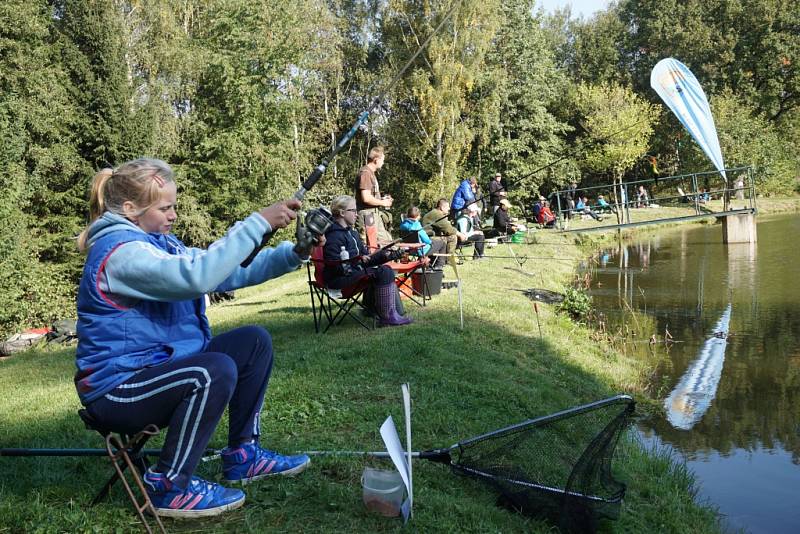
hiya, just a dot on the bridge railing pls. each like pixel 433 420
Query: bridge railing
pixel 692 190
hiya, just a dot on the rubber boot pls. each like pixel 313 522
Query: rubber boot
pixel 386 307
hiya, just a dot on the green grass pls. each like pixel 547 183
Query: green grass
pixel 332 392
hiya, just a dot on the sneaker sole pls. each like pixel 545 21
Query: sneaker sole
pixel 193 514
pixel 288 473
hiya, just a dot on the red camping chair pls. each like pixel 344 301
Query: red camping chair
pixel 331 306
pixel 404 269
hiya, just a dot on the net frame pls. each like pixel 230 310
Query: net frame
pixel 575 498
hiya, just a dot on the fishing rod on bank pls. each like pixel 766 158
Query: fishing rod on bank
pixel 318 220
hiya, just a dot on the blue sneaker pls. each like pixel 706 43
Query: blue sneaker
pixel 200 499
pixel 249 462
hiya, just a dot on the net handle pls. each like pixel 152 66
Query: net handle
pixel 617 399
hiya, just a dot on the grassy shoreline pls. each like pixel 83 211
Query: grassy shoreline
pixel 332 392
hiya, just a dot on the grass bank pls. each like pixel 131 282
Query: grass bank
pixel 332 392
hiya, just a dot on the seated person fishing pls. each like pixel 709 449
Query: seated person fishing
pixel 502 220
pixel 642 198
pixel 467 227
pixel 582 207
pixel 604 206
pixel 145 351
pixel 413 232
pixel 436 219
pixel 537 207
pixel 339 274
pixel 546 217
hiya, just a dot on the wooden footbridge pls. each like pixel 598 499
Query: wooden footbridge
pixel 666 200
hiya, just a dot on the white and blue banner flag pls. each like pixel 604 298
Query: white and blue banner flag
pixel 680 90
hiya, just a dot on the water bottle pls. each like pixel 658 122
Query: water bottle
pixel 345 257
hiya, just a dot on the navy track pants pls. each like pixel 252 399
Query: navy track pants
pixel 189 395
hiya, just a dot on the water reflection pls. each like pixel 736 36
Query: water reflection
pixel 684 282
pixel 690 399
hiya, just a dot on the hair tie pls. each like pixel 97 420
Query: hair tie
pixel 159 180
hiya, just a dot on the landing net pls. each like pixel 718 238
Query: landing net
pixel 557 467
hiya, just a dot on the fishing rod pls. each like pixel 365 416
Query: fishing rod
pixel 318 220
pixel 513 183
pixel 23 452
pixel 527 258
pixel 498 257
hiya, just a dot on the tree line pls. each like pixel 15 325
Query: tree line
pixel 243 98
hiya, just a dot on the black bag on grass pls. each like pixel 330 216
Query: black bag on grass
pixel 64 331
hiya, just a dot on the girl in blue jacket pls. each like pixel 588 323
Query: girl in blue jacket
pixel 145 352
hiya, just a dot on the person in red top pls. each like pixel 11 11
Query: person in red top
pixel 368 196
pixel 546 217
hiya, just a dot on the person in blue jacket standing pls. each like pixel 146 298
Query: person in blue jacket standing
pixel 465 194
pixel 145 351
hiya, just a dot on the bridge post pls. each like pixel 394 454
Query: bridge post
pixel 739 228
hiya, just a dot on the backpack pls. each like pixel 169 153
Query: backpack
pixel 64 331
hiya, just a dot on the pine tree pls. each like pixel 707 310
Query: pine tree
pixel 36 151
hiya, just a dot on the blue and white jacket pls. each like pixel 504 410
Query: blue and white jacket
pixel 141 297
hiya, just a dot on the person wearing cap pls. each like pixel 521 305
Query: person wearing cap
pixel 497 191
pixel 502 219
pixel 466 227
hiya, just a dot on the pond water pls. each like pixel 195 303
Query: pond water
pixel 730 386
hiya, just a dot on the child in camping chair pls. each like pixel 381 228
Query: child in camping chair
pixel 339 274
pixel 145 352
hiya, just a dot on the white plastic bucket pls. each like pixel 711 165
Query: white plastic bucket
pixel 383 491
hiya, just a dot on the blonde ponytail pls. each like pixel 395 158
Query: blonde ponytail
pixel 96 203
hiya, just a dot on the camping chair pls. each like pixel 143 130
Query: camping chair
pixel 126 452
pixel 404 270
pixel 460 257
pixel 333 305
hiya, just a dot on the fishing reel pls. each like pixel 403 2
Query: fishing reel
pixel 309 229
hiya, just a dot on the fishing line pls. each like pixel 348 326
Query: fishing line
pixel 317 173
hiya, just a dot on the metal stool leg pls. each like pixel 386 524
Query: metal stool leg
pixel 134 445
pixel 121 459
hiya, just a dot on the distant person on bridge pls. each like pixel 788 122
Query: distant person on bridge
pixel 740 188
